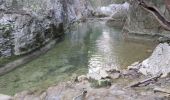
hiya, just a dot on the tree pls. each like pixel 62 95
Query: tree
pixel 155 12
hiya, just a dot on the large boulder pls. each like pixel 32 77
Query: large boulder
pixel 26 25
pixel 158 62
pixel 140 21
pixel 116 11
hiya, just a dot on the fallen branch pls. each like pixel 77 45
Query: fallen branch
pixel 146 81
pixel 156 13
pixel 81 96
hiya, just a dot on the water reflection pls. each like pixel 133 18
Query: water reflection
pixel 87 48
pixel 103 59
pixel 113 51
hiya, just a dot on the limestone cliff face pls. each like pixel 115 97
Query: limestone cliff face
pixel 26 25
pixel 99 3
pixel 142 22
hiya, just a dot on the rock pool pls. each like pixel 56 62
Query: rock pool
pixel 86 45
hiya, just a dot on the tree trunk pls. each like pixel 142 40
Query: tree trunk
pixel 155 12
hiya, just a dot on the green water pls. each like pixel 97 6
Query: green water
pixel 87 45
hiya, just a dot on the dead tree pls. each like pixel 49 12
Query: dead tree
pixel 156 13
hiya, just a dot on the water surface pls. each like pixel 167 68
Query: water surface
pixel 87 45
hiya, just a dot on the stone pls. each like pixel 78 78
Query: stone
pixel 114 75
pixel 82 78
pixel 135 65
pixel 5 97
pixel 140 21
pixel 163 39
pixel 104 82
pixel 26 95
pixel 97 73
pixel 116 11
pixel 27 25
pixel 158 62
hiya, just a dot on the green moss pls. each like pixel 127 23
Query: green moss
pixel 100 83
pixel 6 30
pixel 6 60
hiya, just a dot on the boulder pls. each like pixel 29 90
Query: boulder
pixel 104 82
pixel 82 78
pixel 116 11
pixel 97 73
pixel 5 97
pixel 140 21
pixel 158 62
pixel 26 25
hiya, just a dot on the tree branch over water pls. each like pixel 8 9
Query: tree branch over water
pixel 156 13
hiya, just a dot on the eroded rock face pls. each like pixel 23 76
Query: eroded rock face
pixel 157 63
pixel 142 22
pixel 26 25
pixel 116 11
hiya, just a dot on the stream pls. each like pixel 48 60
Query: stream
pixel 86 45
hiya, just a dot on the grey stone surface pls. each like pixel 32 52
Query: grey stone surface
pixel 115 11
pixel 26 25
pixel 142 22
pixel 158 62
pixel 5 97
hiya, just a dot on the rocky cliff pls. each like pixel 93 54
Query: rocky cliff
pixel 26 25
pixel 142 22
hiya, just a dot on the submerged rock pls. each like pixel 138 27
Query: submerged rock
pixel 158 62
pixel 97 73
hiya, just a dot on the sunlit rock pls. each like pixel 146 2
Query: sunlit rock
pixel 116 11
pixel 26 25
pixel 82 78
pixel 158 62
pixel 5 97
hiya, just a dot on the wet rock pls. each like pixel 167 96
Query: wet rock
pixel 132 74
pixel 114 74
pixel 82 78
pixel 97 73
pixel 5 97
pixel 163 39
pixel 158 62
pixel 65 91
pixel 116 11
pixel 149 51
pixel 104 82
pixel 135 65
pixel 27 25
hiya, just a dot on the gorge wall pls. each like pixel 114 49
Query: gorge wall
pixel 26 25
pixel 142 22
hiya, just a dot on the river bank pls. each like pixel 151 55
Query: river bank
pixel 60 63
pixel 95 60
pixel 81 88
